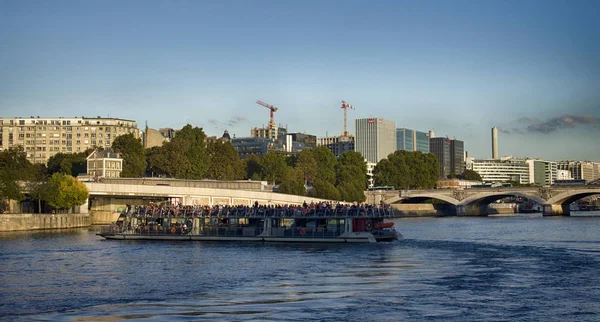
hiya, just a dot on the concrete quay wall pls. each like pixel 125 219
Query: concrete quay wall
pixel 420 210
pixel 20 222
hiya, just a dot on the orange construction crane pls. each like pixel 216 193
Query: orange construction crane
pixel 346 106
pixel 273 110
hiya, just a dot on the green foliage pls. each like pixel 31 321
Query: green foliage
pixel 14 167
pixel 351 176
pixel 132 152
pixel 185 157
pixel 68 163
pixel 407 170
pixel 351 192
pixel 252 167
pixel 326 163
pixel 38 183
pixel 307 165
pixel 193 142
pixel 64 192
pixel 169 160
pixel 292 183
pixel 325 190
pixel 273 167
pixel 470 175
pixel 291 160
pixel 225 163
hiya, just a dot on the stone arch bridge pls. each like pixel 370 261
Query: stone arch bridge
pixel 555 199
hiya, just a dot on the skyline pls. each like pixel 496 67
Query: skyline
pixel 531 69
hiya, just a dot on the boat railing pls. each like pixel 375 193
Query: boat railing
pixel 263 212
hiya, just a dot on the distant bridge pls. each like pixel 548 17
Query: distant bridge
pixel 555 199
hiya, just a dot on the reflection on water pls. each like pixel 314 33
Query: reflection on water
pixel 494 269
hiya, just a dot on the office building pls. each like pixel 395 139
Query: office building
pixel 412 140
pixel 42 138
pixel 337 144
pixel 457 157
pixel 440 147
pixel 580 170
pixel 309 141
pixel 375 138
pixel 541 172
pixel 259 146
pixel 503 170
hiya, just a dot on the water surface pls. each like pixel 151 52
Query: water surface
pixel 457 269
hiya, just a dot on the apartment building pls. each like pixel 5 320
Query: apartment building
pixel 41 138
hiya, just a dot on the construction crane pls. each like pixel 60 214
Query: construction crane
pixel 346 106
pixel 273 110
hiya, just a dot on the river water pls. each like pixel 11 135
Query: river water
pixel 450 269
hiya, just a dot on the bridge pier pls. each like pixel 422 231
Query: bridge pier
pixel 471 210
pixel 557 210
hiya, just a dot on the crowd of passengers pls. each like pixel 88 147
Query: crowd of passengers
pixel 312 209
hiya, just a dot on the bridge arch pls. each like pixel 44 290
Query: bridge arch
pixel 485 198
pixel 571 196
pixel 423 196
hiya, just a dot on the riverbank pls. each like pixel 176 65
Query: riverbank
pixel 20 222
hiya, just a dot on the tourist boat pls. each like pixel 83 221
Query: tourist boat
pixel 262 224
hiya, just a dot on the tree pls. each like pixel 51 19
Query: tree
pixel 470 175
pixel 351 176
pixel 273 167
pixel 14 167
pixel 193 143
pixel 326 163
pixel 407 170
pixel 307 165
pixel 225 163
pixel 64 192
pixel 169 159
pixel 292 183
pixel 252 167
pixel 185 157
pixel 325 190
pixel 68 163
pixel 38 184
pixel 132 152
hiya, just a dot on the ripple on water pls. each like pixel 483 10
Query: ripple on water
pixel 446 269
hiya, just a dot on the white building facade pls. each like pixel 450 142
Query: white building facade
pixel 504 170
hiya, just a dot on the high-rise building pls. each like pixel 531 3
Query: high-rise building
pixel 440 147
pixel 41 138
pixel 405 140
pixel 457 157
pixel 495 143
pixel 375 138
pixel 337 144
pixel 412 140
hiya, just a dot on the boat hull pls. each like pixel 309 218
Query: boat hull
pixel 358 238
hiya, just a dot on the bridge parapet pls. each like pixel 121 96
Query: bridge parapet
pixel 555 200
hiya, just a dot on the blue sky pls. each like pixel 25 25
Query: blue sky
pixel 531 68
